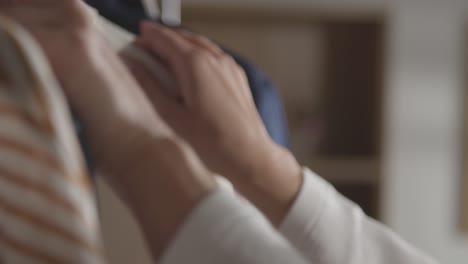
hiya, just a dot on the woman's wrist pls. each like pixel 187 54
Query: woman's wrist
pixel 162 187
pixel 272 182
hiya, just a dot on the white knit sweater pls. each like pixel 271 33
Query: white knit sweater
pixel 322 227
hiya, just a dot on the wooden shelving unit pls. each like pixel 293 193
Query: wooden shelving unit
pixel 358 179
pixel 328 70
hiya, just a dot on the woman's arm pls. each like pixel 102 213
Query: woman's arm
pixel 226 229
pixel 216 115
pixel 326 227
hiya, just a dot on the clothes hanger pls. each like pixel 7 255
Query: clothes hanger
pixel 169 14
pixel 152 9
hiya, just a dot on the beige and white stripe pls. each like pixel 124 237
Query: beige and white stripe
pixel 47 206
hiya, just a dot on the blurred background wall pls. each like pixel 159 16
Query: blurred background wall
pixel 424 119
pixel 382 85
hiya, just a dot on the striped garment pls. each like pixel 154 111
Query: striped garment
pixel 47 207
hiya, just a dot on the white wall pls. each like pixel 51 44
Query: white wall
pixel 423 126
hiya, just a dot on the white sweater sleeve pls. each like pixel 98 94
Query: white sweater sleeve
pixel 328 228
pixel 225 229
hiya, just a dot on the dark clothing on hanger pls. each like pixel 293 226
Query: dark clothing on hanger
pixel 125 13
pixel 267 100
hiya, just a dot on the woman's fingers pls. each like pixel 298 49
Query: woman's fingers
pixel 202 42
pixel 168 107
pixel 164 43
pixel 172 48
pixel 184 58
pixel 223 58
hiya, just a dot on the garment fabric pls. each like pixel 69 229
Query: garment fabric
pixel 47 206
pixel 322 227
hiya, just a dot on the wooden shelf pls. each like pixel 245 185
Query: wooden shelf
pixel 347 171
pixel 357 179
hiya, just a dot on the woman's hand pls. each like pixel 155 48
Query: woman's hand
pixel 106 97
pixel 108 101
pixel 65 29
pixel 158 175
pixel 216 114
